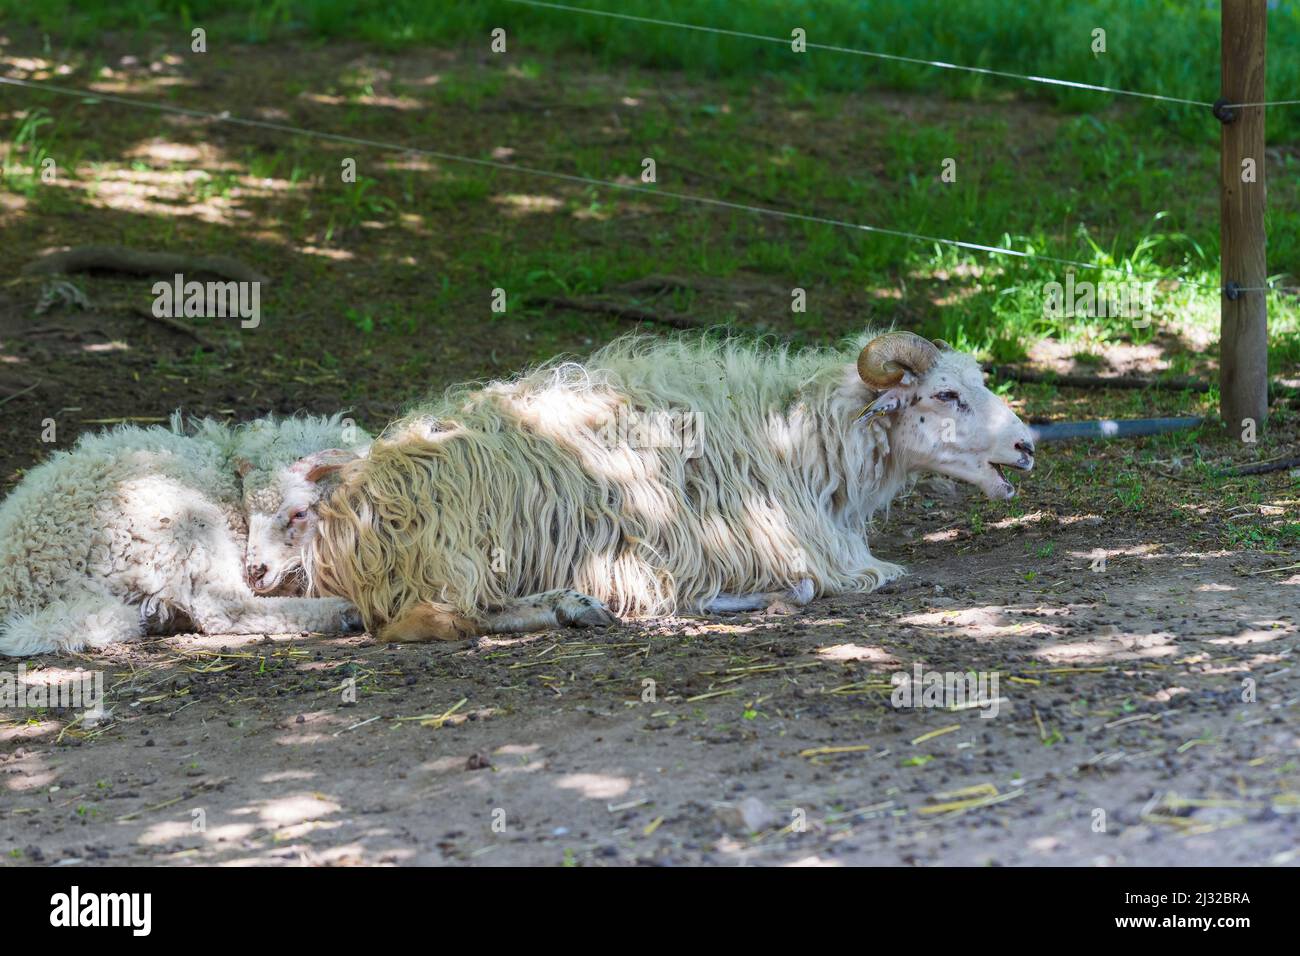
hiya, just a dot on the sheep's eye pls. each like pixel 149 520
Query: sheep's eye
pixel 947 397
pixel 298 516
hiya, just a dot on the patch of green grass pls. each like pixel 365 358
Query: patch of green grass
pixel 348 204
pixel 27 144
pixel 1261 535
pixel 1129 487
pixel 214 185
pixel 366 322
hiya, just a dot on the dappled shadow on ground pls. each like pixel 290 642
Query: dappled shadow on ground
pixel 1156 691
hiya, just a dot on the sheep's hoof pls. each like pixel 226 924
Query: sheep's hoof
pixel 578 610
pixel 150 614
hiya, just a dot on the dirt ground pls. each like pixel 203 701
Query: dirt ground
pixel 1146 707
pixel 1127 731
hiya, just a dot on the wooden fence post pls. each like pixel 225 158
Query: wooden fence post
pixel 1243 332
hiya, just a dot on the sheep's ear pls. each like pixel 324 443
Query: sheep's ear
pixel 885 403
pixel 320 471
pixel 242 467
pixel 322 463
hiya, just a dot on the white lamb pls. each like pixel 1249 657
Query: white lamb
pixel 143 530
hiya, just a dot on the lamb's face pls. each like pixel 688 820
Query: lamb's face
pixel 944 420
pixel 282 518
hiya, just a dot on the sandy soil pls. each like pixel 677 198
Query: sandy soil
pixel 1126 733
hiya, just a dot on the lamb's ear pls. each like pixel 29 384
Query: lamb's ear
pixel 319 464
pixel 242 467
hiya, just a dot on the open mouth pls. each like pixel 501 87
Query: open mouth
pixel 266 585
pixel 1000 468
pixel 1006 489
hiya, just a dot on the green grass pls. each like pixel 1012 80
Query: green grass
pixel 1162 46
pixel 28 141
pixel 1130 188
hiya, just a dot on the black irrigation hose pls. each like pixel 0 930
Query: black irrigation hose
pixel 1139 427
pixel 1108 428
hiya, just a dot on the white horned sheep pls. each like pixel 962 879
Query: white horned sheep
pixel 687 475
pixel 142 530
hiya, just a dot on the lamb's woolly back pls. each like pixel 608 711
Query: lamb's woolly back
pixel 521 486
pixel 271 443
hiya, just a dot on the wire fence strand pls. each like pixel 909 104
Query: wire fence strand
pixel 894 57
pixel 771 211
pixel 1234 106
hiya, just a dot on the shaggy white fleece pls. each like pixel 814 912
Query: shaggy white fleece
pixel 654 477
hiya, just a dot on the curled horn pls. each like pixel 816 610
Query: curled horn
pixel 886 357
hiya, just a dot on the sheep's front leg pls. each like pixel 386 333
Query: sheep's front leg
pixel 799 596
pixel 538 612
pixel 221 602
pixel 234 614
